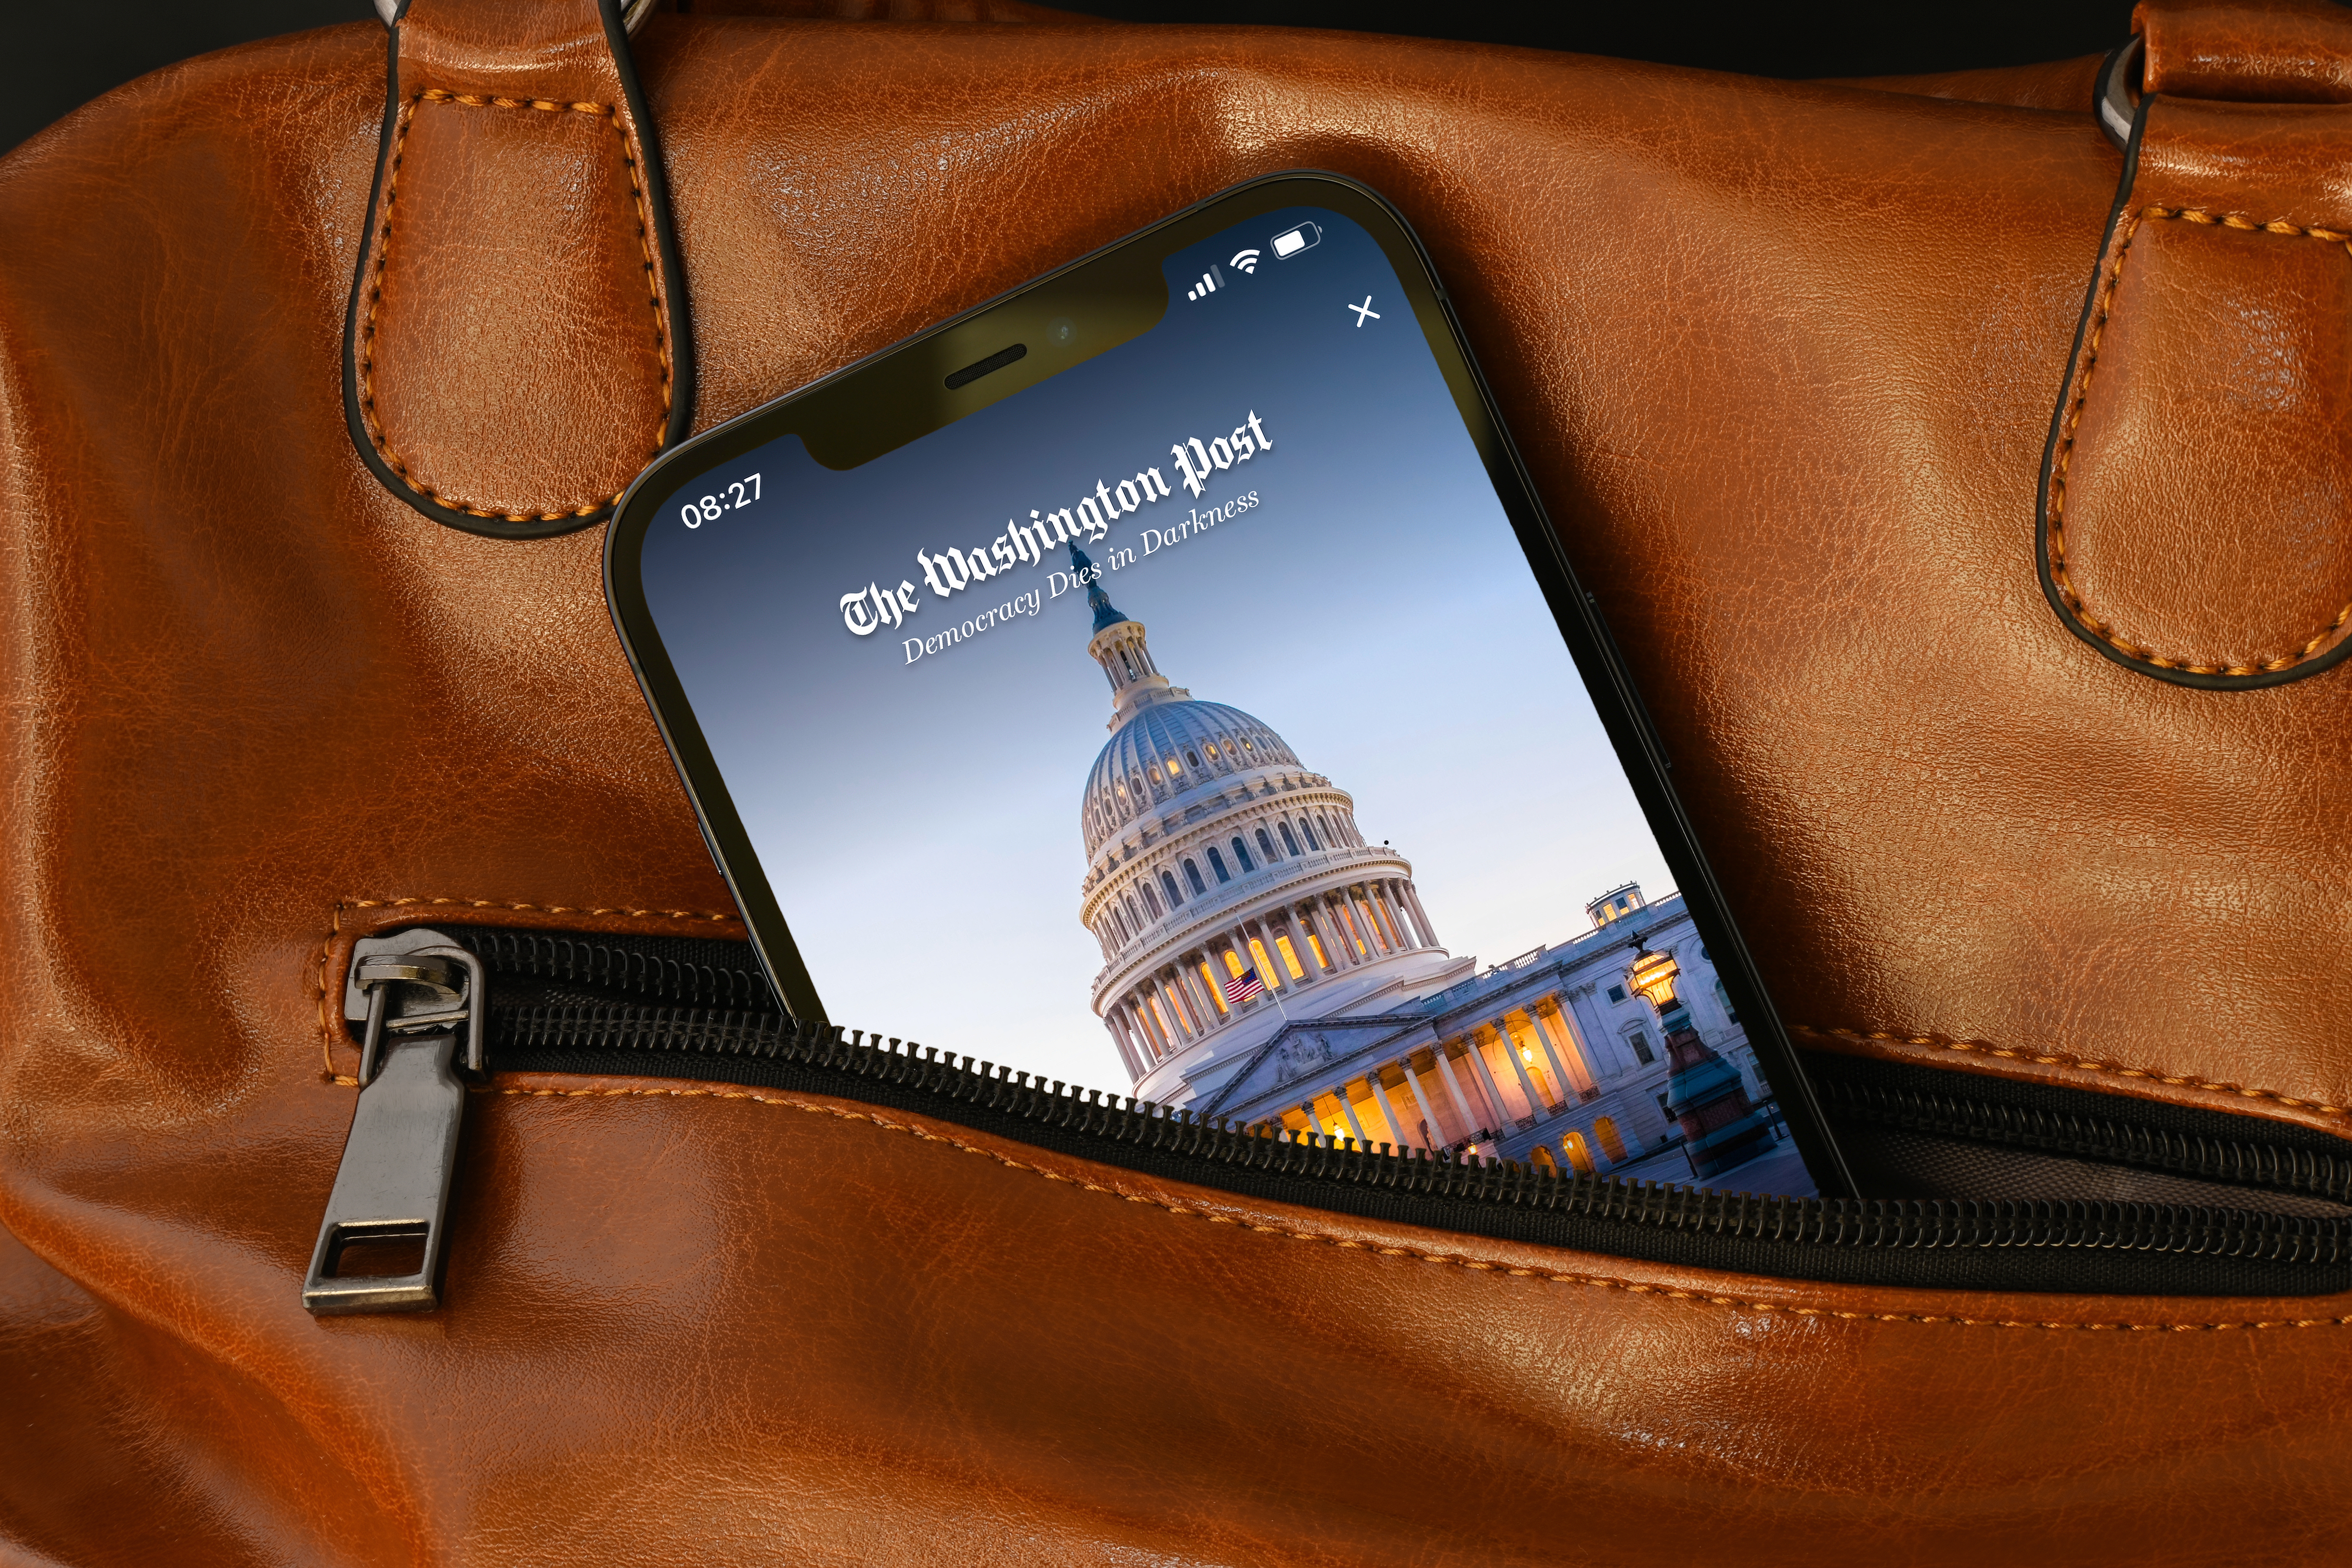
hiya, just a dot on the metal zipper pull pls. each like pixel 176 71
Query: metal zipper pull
pixel 415 992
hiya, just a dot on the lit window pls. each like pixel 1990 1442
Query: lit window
pixel 1192 875
pixel 1209 978
pixel 1264 965
pixel 1289 957
pixel 1217 864
pixel 1611 1143
pixel 1212 749
pixel 1167 883
pixel 1288 842
pixel 1233 963
pixel 1264 845
pixel 1172 769
pixel 1315 944
pixel 1240 857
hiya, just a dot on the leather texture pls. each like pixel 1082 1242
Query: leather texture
pixel 514 357
pixel 2192 518
pixel 787 1328
pixel 2273 51
pixel 1782 358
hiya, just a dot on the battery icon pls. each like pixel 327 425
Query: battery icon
pixel 1291 241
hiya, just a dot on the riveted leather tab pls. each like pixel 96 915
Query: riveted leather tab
pixel 516 351
pixel 2194 500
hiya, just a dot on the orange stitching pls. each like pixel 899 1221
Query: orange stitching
pixel 698 915
pixel 2083 1064
pixel 383 252
pixel 2057 508
pixel 328 1033
pixel 1475 1264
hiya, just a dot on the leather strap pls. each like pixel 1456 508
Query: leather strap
pixel 2261 51
pixel 518 343
pixel 2192 521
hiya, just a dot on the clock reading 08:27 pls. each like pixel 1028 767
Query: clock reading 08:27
pixel 741 494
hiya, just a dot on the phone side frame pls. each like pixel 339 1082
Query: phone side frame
pixel 1640 749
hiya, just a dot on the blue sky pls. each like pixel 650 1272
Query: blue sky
pixel 920 822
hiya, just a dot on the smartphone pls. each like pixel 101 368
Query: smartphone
pixel 1163 678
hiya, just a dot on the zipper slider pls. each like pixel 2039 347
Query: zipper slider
pixel 413 992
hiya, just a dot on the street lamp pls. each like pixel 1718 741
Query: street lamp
pixel 1721 1127
pixel 1653 978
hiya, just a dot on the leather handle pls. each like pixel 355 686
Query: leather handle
pixel 2192 523
pixel 518 345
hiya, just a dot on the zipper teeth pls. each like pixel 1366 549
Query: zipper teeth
pixel 617 965
pixel 2279 1169
pixel 1872 1223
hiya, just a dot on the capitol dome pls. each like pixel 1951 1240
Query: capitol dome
pixel 1231 892
pixel 1166 750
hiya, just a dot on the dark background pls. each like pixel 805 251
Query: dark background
pixel 69 53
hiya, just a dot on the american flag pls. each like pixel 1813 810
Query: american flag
pixel 1243 986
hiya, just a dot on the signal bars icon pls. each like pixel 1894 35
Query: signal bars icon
pixel 1211 281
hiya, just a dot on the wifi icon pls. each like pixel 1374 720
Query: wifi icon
pixel 1247 260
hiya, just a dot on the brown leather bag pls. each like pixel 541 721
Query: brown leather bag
pixel 1967 491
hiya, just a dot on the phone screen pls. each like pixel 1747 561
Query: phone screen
pixel 1197 720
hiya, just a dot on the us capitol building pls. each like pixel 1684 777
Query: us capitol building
pixel 1264 961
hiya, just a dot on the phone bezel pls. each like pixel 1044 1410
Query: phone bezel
pixel 873 393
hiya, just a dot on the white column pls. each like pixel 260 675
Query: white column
pixel 1436 1127
pixel 1412 894
pixel 1242 948
pixel 1178 1017
pixel 1126 1050
pixel 1351 930
pixel 1189 978
pixel 1202 1020
pixel 1555 1032
pixel 1453 1088
pixel 1566 1085
pixel 1304 915
pixel 1347 1109
pixel 1300 926
pixel 1337 931
pixel 1609 1050
pixel 1388 1111
pixel 1511 1050
pixel 1396 915
pixel 1486 1076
